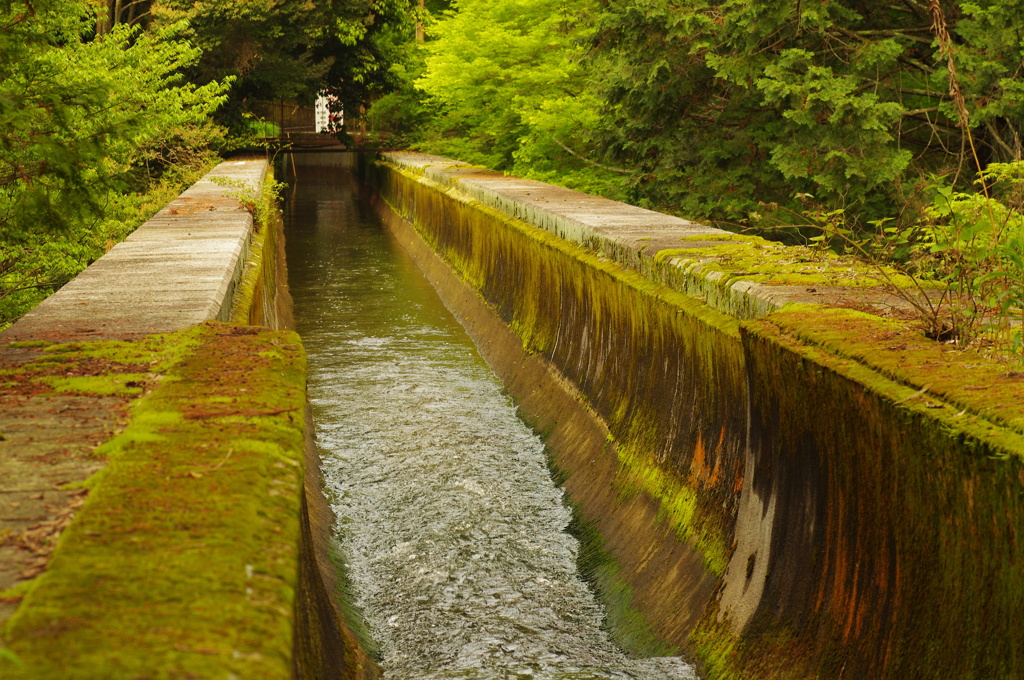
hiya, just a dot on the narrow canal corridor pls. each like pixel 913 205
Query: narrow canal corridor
pixel 452 529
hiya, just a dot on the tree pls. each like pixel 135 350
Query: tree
pixel 86 119
pixel 286 49
pixel 747 102
pixel 511 92
pixel 721 109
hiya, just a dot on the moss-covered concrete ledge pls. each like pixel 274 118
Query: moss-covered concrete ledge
pixel 743 276
pixel 184 560
pixel 193 543
pixel 843 496
pixel 178 269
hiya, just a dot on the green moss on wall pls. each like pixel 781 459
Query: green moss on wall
pixel 182 562
pixel 156 353
pixel 102 368
pixel 752 258
pixel 628 627
pixel 28 344
pixel 254 297
pixel 964 380
pixel 680 506
pixel 901 568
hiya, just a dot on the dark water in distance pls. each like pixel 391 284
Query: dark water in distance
pixel 453 532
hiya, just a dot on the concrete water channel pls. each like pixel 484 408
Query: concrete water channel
pixel 770 469
pixel 453 532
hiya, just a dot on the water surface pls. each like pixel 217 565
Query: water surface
pixel 453 531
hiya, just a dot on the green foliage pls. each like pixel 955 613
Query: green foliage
pixel 260 201
pixel 721 106
pixel 288 50
pixel 974 245
pixel 960 265
pixel 80 117
pixel 104 116
pixel 264 45
pixel 511 92
pixel 713 108
pixel 848 131
pixel 748 112
pixel 92 129
pixel 400 117
pixel 264 128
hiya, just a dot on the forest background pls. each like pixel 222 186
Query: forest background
pixel 891 128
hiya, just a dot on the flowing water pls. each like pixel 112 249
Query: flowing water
pixel 452 529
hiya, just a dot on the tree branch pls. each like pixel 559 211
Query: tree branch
pixel 587 160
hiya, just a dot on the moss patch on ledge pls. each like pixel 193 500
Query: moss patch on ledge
pixel 101 385
pixel 184 559
pixel 101 368
pixel 966 381
pixel 752 258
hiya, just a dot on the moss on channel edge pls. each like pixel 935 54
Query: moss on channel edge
pixel 599 569
pixel 253 297
pixel 112 368
pixel 918 503
pixel 184 559
pixel 899 351
pixel 752 258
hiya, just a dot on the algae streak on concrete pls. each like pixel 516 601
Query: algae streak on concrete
pixel 850 490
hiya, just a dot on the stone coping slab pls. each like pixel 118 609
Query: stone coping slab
pixel 708 263
pixel 201 238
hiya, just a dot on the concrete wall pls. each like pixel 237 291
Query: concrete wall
pixel 165 515
pixel 178 269
pixel 785 485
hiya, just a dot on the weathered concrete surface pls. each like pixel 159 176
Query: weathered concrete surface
pixel 803 454
pixel 574 216
pixel 44 445
pixel 196 549
pixel 635 236
pixel 46 452
pixel 184 559
pixel 176 270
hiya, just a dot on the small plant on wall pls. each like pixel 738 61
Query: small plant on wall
pixel 965 253
pixel 964 258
